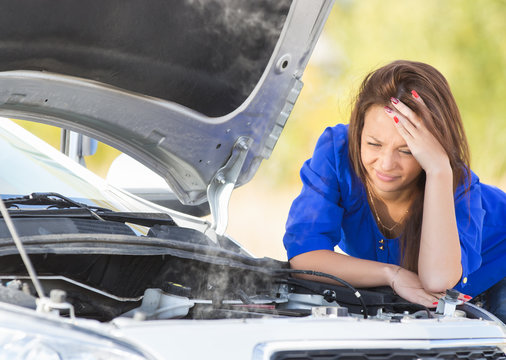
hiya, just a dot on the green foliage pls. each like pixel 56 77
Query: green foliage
pixel 464 39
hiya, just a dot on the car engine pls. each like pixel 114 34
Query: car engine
pixel 105 287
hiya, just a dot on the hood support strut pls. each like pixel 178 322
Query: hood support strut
pixel 222 184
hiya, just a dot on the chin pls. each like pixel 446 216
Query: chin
pixel 391 186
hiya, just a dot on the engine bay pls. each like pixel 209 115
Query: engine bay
pixel 105 287
pixel 101 269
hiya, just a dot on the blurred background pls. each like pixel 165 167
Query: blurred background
pixel 464 39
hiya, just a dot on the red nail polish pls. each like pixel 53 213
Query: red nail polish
pixel 388 110
pixel 415 94
pixel 394 100
pixel 396 119
pixel 435 303
pixel 468 297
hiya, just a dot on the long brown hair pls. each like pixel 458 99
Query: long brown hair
pixel 441 116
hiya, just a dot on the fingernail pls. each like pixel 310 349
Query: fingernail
pixel 394 100
pixel 468 297
pixel 415 94
pixel 388 110
pixel 435 303
pixel 396 119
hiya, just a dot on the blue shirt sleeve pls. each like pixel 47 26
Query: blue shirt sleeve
pixel 314 221
pixel 470 215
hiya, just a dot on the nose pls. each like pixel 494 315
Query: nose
pixel 387 160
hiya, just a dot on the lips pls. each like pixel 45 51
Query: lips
pixel 386 177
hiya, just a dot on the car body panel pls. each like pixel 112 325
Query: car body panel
pixel 263 339
pixel 260 338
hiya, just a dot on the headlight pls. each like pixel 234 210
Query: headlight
pixel 27 336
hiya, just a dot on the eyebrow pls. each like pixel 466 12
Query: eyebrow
pixel 372 137
pixel 379 141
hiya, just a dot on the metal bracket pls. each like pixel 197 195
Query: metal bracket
pixel 77 146
pixel 221 186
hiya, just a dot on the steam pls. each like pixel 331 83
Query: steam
pixel 240 17
pixel 248 28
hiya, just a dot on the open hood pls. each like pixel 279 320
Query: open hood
pixel 197 90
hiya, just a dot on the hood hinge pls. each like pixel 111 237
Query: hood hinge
pixel 222 184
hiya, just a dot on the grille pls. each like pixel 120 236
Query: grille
pixel 392 354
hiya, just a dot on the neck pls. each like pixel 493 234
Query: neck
pixel 390 208
pixel 392 197
pixel 397 197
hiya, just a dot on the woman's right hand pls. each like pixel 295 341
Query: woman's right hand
pixel 407 285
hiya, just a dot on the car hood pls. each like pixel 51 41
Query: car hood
pixel 197 90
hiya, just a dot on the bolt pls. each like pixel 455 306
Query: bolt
pixel 57 296
pixel 26 289
pixel 242 144
pixel 221 178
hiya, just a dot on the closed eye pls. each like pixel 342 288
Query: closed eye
pixel 373 144
pixel 407 152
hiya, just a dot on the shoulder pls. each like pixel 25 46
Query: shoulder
pixel 331 158
pixel 473 187
pixel 331 151
pixel 334 142
pixel 468 186
pixel 477 198
pixel 337 134
pixel 493 202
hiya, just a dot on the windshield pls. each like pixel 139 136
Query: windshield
pixel 30 165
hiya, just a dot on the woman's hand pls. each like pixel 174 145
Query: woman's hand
pixel 408 286
pixel 423 145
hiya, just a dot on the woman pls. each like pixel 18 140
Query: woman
pixel 394 191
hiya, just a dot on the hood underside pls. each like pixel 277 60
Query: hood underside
pixel 205 55
pixel 174 84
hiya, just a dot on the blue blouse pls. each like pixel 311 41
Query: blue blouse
pixel 332 209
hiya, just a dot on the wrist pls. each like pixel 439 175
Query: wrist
pixel 391 272
pixel 441 169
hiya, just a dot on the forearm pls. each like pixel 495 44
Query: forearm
pixel 364 273
pixel 439 263
pixel 358 272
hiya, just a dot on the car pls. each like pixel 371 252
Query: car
pixel 198 91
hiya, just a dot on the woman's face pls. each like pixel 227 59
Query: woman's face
pixel 389 165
